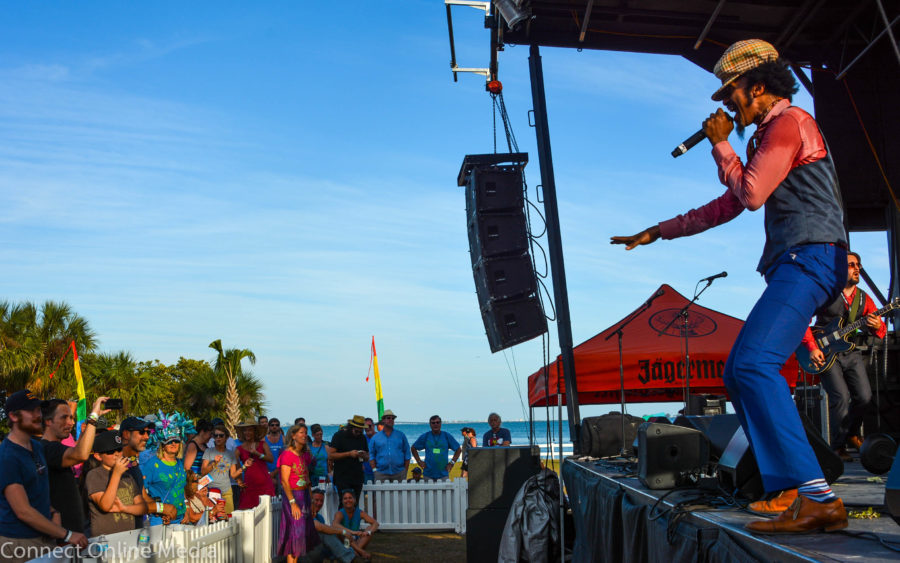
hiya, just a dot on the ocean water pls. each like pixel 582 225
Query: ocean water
pixel 519 431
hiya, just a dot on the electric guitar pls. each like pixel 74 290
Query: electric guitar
pixel 832 339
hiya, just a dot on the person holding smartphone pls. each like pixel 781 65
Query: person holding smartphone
pixel 348 451
pixel 64 491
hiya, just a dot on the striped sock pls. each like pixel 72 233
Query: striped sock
pixel 817 490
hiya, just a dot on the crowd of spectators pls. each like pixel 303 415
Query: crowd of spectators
pixel 56 490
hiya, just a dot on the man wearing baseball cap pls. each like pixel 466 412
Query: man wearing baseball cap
pixel 789 171
pixel 26 518
pixel 135 432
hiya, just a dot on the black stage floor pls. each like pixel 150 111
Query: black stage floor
pixel 616 520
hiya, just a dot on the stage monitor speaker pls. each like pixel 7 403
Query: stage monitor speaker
pixel 739 473
pixel 504 278
pixel 668 455
pixel 601 436
pixel 718 429
pixel 705 405
pixel 892 491
pixel 877 453
pixel 495 188
pixel 512 321
pixel 496 474
pixel 812 401
pixel 484 528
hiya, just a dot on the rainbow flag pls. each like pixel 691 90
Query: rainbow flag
pixel 379 398
pixel 81 410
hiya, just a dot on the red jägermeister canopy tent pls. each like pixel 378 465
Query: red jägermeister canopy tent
pixel 654 363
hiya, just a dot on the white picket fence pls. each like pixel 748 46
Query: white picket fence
pixel 426 505
pixel 251 536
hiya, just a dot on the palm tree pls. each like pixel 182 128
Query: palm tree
pixel 32 343
pixel 57 328
pixel 229 363
pixel 203 395
pixel 15 356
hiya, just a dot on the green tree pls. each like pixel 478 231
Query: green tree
pixel 203 391
pixel 33 341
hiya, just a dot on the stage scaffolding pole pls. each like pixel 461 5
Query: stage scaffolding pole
pixel 554 243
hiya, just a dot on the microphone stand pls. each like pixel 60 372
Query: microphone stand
pixel 687 356
pixel 618 332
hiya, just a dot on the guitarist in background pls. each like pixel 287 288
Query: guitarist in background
pixel 846 381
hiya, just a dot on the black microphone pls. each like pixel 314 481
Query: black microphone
pixel 688 143
pixel 692 141
pixel 654 296
pixel 715 277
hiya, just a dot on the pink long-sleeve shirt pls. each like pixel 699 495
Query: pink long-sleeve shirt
pixel 787 138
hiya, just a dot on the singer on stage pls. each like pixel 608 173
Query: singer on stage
pixel 804 263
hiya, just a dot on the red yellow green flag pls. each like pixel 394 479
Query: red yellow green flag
pixel 379 398
pixel 81 410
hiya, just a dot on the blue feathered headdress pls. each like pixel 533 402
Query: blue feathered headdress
pixel 175 425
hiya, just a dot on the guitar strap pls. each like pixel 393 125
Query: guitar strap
pixel 855 306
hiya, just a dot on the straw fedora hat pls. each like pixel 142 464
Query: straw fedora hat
pixel 358 421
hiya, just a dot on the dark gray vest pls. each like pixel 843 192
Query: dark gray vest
pixel 804 208
pixel 836 308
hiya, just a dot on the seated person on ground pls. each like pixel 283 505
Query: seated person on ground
pixel 332 536
pixel 350 517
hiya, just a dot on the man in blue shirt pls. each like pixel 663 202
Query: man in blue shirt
pixel 389 451
pixel 275 439
pixel 26 517
pixel 437 445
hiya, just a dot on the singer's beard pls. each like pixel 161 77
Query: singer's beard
pixel 739 127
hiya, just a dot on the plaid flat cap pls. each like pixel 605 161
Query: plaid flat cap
pixel 741 57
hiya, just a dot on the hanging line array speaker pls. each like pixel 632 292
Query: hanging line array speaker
pixel 499 248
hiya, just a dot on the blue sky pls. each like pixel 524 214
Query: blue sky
pixel 282 176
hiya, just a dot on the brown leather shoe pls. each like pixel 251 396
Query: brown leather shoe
pixel 842 453
pixel 804 515
pixel 776 505
pixel 855 442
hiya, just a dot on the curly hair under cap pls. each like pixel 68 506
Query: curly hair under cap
pixel 775 76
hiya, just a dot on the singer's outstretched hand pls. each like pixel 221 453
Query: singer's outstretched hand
pixel 718 126
pixel 644 237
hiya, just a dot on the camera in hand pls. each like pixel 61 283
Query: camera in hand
pixel 114 404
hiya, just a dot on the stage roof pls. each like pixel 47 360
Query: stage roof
pixel 828 38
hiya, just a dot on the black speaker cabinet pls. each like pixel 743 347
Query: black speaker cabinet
pixel 718 429
pixel 504 278
pixel 669 454
pixel 495 188
pixel 484 528
pixel 738 470
pixel 497 234
pixel 512 321
pixel 892 491
pixel 601 436
pixel 496 474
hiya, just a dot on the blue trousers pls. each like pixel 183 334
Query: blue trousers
pixel 803 279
